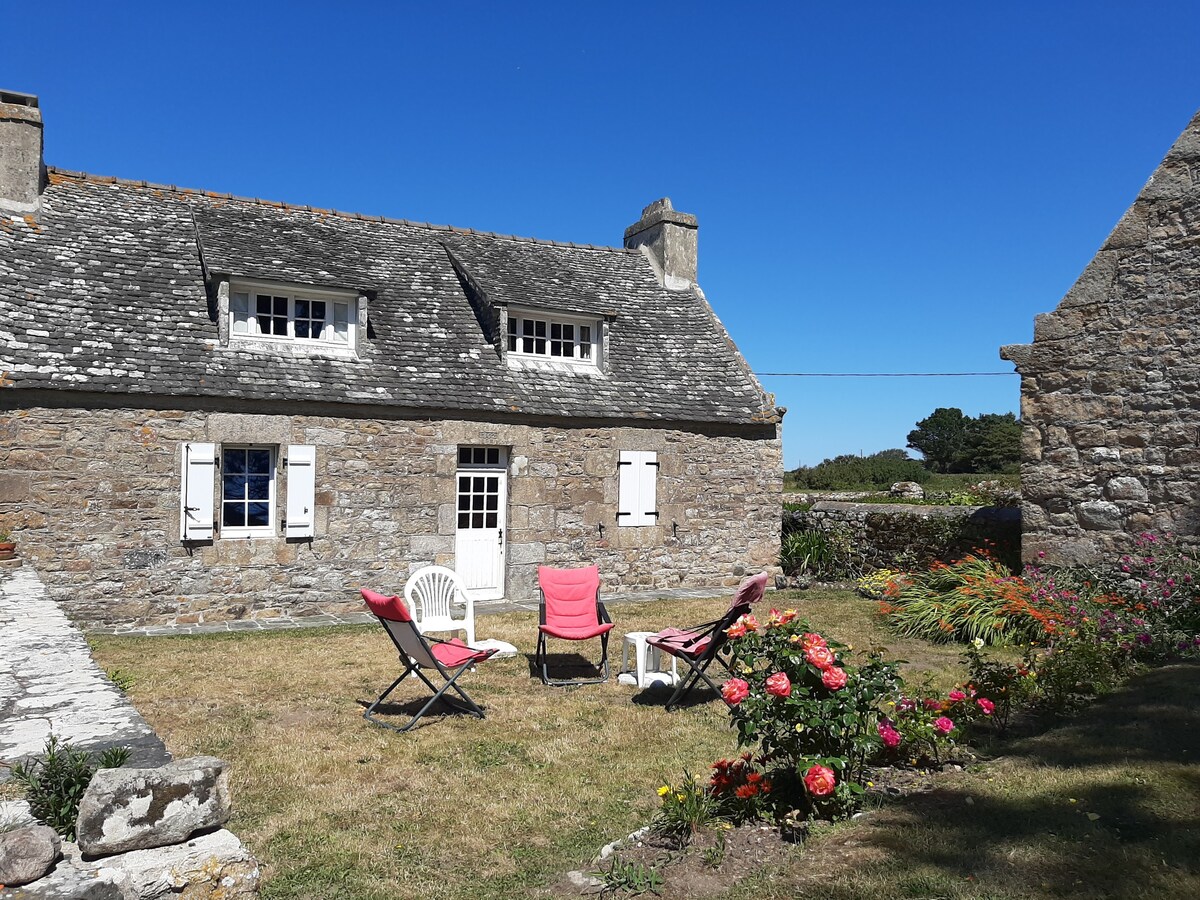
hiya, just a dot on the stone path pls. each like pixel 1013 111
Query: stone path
pixel 49 683
pixel 482 608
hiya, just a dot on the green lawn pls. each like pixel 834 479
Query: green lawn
pixel 335 807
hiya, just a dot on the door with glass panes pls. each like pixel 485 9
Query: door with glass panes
pixel 480 489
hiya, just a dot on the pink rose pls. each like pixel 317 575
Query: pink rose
pixel 820 781
pixel 735 691
pixel 943 724
pixel 986 705
pixel 834 678
pixel 957 695
pixel 891 737
pixel 820 656
pixel 931 703
pixel 812 640
pixel 778 685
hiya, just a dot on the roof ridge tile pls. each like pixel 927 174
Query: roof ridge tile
pixel 71 174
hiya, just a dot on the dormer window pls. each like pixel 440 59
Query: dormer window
pixel 305 316
pixel 555 338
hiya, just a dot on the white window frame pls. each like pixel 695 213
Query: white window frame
pixel 248 316
pixel 248 531
pixel 517 340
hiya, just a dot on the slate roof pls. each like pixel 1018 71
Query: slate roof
pixel 104 291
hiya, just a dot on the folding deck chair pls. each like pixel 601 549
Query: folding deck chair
pixel 571 610
pixel 701 645
pixel 448 658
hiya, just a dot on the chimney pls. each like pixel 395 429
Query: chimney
pixel 22 172
pixel 668 238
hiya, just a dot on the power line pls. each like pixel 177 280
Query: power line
pixel 884 374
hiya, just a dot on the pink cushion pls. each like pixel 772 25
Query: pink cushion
pixel 570 599
pixel 576 632
pixel 454 653
pixel 679 642
pixel 385 607
pixel 750 591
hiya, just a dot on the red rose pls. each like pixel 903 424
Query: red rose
pixel 778 685
pixel 820 656
pixel 943 724
pixel 834 678
pixel 735 691
pixel 820 781
pixel 986 705
pixel 957 695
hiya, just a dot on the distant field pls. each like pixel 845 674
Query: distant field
pixel 955 482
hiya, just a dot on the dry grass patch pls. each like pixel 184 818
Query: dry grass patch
pixel 334 806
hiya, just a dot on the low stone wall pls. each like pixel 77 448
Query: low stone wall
pixel 906 536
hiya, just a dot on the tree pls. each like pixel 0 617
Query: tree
pixel 940 438
pixel 993 443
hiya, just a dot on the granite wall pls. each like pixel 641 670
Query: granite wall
pixel 95 496
pixel 1110 386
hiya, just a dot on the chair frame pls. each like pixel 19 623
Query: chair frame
pixel 698 663
pixel 430 594
pixel 541 654
pixel 415 654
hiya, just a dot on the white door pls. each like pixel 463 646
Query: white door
pixel 480 489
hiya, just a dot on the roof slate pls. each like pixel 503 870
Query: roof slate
pixel 104 291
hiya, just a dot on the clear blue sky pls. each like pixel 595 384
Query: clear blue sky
pixel 881 186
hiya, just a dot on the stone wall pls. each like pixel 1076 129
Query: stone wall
pixel 907 536
pixel 95 493
pixel 1110 387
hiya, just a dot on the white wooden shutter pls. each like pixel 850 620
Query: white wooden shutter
pixel 198 480
pixel 637 491
pixel 648 488
pixel 301 490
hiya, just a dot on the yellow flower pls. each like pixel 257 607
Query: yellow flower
pixel 680 797
pixel 664 790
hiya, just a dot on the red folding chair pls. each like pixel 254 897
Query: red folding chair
pixel 448 658
pixel 699 646
pixel 571 610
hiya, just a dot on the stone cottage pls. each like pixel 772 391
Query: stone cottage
pixel 1110 386
pixel 214 407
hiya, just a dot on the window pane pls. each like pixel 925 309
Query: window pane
pixel 493 455
pixel 258 487
pixel 480 455
pixel 556 331
pixel 318 309
pixel 512 343
pixel 540 347
pixel 493 484
pixel 301 328
pixel 262 305
pixel 556 348
pixel 492 501
pixel 464 520
pixel 539 328
pixel 302 309
pixel 491 520
pixel 258 461
pixel 318 328
pixel 477 501
pixel 233 487
pixel 568 332
pixel 464 483
pixel 233 515
pixel 476 520
pixel 464 456
pixel 233 461
pixel 258 514
pixel 526 345
pixel 527 326
pixel 478 485
pixel 464 501
pixel 280 305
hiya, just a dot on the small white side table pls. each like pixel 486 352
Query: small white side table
pixel 647 662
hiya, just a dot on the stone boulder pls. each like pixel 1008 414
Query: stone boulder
pixel 28 853
pixel 909 490
pixel 137 809
pixel 208 867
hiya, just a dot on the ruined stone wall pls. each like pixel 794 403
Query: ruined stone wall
pixel 95 493
pixel 1110 388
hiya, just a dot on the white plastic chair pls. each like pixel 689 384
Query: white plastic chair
pixel 431 594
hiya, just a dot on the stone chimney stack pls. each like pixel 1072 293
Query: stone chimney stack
pixel 668 238
pixel 22 172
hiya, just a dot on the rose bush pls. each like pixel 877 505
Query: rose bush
pixel 798 698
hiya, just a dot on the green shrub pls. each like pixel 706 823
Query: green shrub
pixel 629 878
pixel 848 472
pixel 686 808
pixel 818 552
pixel 56 781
